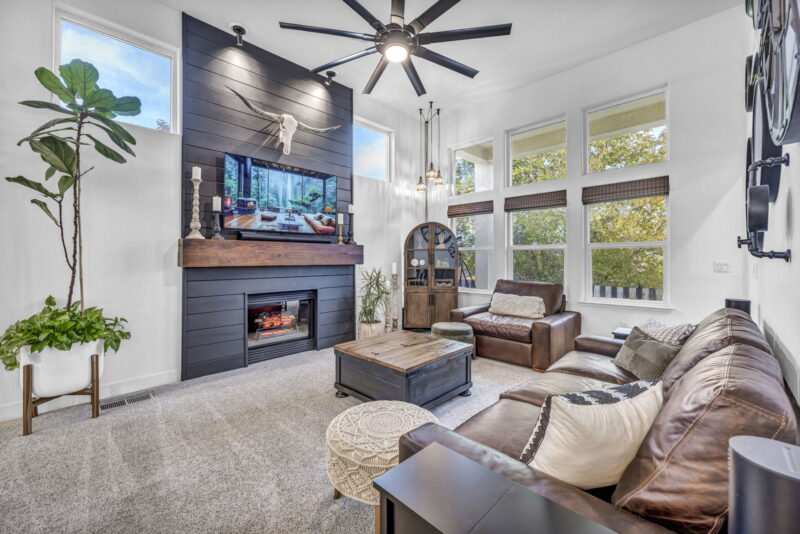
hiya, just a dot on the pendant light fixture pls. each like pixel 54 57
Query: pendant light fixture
pixel 428 120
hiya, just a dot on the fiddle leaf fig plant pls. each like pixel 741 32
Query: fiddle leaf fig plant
pixel 85 120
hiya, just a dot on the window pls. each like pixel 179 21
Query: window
pixel 473 168
pixel 126 69
pixel 372 152
pixel 474 231
pixel 539 154
pixel 628 240
pixel 538 227
pixel 628 134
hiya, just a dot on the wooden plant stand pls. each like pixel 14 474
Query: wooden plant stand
pixel 30 406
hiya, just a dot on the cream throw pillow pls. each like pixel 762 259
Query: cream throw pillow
pixel 517 305
pixel 587 439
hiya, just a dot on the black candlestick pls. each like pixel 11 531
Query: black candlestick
pixel 350 240
pixel 217 228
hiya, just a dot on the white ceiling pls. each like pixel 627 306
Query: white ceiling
pixel 547 37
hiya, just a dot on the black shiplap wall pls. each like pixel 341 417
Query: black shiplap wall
pixel 215 121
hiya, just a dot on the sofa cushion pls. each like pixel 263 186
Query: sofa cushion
pixel 679 477
pixel 645 356
pixel 538 388
pixel 720 329
pixel 551 294
pixel 588 438
pixel 517 305
pixel 505 426
pixel 502 326
pixel 592 365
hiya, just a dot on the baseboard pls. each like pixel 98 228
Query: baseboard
pixel 13 410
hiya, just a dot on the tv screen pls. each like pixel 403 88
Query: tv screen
pixel 271 197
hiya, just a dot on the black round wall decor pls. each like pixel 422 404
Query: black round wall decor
pixel 763 147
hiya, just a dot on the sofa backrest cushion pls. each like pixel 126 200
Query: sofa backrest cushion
pixel 722 328
pixel 679 477
pixel 550 293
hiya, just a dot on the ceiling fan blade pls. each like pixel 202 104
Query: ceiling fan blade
pixel 445 61
pixel 434 12
pixel 365 14
pixel 351 57
pixel 413 76
pixel 376 74
pixel 398 12
pixel 465 33
pixel 328 31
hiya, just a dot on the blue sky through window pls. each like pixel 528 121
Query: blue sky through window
pixel 370 153
pixel 125 69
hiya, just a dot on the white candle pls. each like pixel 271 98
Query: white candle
pixel 216 204
pixel 196 173
pixel 394 268
pixel 340 218
pixel 351 209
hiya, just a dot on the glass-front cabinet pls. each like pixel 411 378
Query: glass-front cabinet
pixel 431 275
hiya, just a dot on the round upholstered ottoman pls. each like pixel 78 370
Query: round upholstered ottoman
pixel 362 444
pixel 455 331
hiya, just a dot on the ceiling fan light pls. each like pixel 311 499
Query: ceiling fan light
pixel 421 187
pixel 396 53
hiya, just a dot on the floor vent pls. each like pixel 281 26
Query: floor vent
pixel 124 401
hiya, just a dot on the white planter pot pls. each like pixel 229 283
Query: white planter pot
pixel 57 372
pixel 368 330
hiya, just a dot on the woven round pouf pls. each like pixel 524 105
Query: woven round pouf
pixel 455 331
pixel 362 444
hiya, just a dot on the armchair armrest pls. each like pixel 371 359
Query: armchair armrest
pixel 554 336
pixel 459 314
pixel 599 345
pixel 557 491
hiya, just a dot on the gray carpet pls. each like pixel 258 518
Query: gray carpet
pixel 242 451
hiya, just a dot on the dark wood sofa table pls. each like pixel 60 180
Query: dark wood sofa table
pixel 405 366
pixel 440 491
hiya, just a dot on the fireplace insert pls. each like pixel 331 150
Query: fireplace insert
pixel 274 318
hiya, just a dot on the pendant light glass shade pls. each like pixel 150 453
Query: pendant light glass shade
pixel 439 181
pixel 421 187
pixel 431 174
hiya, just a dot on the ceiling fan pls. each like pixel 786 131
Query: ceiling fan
pixel 398 41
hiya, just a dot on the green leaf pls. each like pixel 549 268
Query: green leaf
pixel 36 186
pixel 106 151
pixel 117 140
pixel 49 173
pixel 127 105
pixel 81 77
pixel 56 152
pixel 45 126
pixel 41 104
pixel 101 98
pixel 52 83
pixel 64 183
pixel 45 209
pixel 116 128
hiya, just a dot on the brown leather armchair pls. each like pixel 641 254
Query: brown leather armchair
pixel 535 343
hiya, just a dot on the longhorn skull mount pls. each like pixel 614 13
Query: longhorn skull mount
pixel 287 124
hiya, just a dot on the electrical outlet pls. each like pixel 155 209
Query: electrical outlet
pixel 721 267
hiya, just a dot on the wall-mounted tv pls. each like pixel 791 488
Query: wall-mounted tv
pixel 270 197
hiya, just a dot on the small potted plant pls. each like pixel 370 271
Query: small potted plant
pixel 374 299
pixel 60 340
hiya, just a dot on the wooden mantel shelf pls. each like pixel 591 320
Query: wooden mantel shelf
pixel 237 253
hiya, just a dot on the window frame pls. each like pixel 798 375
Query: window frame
pixel 589 247
pixel 528 127
pixel 452 222
pixel 120 33
pixel 460 146
pixel 390 147
pixel 624 100
pixel 512 247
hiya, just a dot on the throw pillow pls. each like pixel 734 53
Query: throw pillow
pixel 674 335
pixel 645 356
pixel 517 305
pixel 587 439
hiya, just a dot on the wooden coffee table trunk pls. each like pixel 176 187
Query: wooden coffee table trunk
pixel 404 366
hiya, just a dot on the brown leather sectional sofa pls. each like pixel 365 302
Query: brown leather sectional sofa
pixel 535 343
pixel 724 382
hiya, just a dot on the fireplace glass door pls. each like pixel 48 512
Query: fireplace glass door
pixel 278 320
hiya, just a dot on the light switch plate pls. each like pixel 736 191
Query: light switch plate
pixel 721 266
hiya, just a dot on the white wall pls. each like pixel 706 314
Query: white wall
pixel 701 64
pixel 131 212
